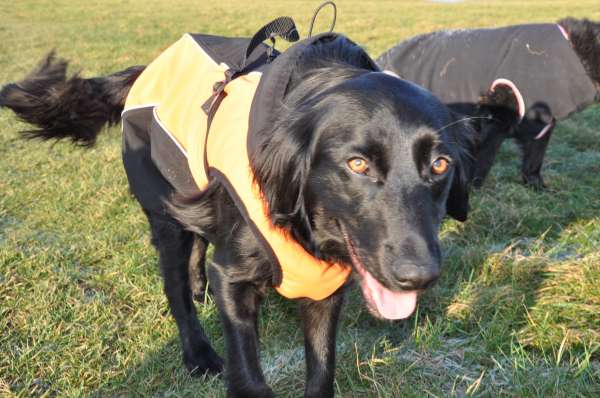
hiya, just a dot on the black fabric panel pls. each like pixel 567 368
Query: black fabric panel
pixel 459 66
pixel 146 183
pixel 170 161
pixel 231 50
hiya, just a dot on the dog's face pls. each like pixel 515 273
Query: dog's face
pixel 380 158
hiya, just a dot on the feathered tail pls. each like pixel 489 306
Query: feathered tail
pixel 62 107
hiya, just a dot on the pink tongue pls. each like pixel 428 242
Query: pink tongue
pixel 390 305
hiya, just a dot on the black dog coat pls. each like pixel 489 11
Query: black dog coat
pixel 536 61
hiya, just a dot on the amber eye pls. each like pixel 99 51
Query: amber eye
pixel 358 165
pixel 439 166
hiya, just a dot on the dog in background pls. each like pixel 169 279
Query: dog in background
pixel 515 81
pixel 359 167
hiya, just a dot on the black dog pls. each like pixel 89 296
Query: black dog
pixel 514 81
pixel 359 166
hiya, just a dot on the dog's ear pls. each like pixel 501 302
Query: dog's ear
pixel 462 135
pixel 281 166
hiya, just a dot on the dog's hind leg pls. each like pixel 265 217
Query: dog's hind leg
pixel 175 247
pixel 320 319
pixel 533 151
pixel 197 269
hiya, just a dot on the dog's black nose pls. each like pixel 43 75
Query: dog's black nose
pixel 409 276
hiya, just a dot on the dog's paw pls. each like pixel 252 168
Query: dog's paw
pixel 201 294
pixel 477 182
pixel 198 287
pixel 205 361
pixel 534 181
pixel 255 391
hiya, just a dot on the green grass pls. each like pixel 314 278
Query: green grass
pixel 82 313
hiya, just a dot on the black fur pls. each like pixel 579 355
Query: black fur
pixel 74 108
pixel 336 108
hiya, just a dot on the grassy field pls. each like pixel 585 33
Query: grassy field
pixel 82 313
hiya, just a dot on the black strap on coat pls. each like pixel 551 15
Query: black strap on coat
pixel 283 27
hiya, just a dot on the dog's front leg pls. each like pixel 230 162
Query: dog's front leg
pixel 320 319
pixel 238 304
pixel 492 134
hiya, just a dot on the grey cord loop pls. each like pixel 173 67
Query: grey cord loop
pixel 314 17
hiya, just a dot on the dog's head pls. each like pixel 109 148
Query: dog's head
pixel 361 168
pixel 585 38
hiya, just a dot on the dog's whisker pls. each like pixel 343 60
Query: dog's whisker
pixel 464 119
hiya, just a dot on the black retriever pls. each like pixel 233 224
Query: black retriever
pixel 514 81
pixel 359 166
